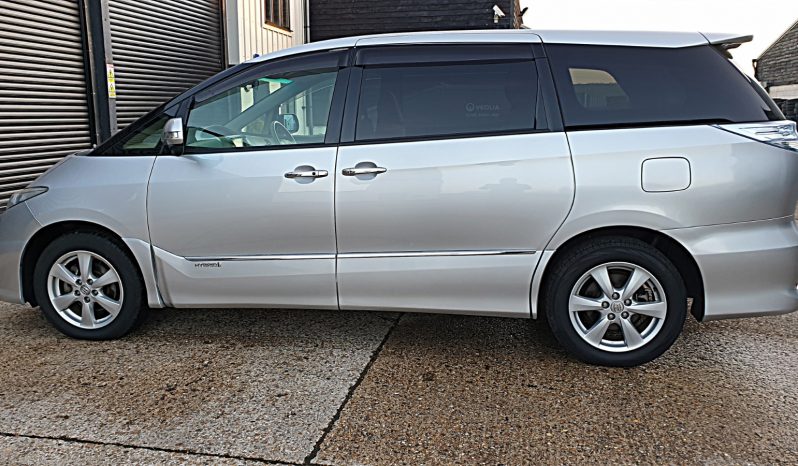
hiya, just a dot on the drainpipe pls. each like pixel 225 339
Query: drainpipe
pixel 101 59
pixel 307 21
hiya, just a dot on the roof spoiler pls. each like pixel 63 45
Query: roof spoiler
pixel 727 42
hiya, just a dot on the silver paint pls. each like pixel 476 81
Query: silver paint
pixel 143 254
pixel 622 38
pixel 474 285
pixel 449 195
pixel 110 192
pixel 510 193
pixel 665 174
pixel 230 205
pixel 749 269
pixel 308 283
pixel 17 226
pixel 107 191
pixel 734 179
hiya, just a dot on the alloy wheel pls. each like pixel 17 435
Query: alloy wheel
pixel 618 307
pixel 85 290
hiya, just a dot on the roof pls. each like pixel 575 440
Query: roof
pixel 781 37
pixel 619 38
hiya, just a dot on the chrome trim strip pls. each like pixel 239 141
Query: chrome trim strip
pixel 364 255
pixel 373 255
pixel 270 257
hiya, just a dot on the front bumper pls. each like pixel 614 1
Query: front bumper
pixel 17 226
pixel 749 269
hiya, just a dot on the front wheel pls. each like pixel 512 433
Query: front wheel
pixel 88 287
pixel 616 302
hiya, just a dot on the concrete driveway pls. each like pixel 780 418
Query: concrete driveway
pixel 307 387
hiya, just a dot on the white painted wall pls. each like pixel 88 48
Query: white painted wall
pixel 248 34
pixel 784 92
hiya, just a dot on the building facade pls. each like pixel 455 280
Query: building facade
pixel 256 27
pixel 777 70
pixel 331 19
pixel 77 71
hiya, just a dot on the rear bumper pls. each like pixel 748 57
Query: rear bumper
pixel 749 269
pixel 17 226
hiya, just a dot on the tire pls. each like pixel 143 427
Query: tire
pixel 605 330
pixel 113 293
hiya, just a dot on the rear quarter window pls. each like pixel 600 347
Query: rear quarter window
pixel 608 86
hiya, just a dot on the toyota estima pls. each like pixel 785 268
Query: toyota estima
pixel 611 182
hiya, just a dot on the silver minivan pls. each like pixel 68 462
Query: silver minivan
pixel 610 182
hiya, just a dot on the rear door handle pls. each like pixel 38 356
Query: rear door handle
pixel 363 171
pixel 307 174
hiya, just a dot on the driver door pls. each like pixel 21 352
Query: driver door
pixel 244 217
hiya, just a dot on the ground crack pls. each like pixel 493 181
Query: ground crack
pixel 149 448
pixel 312 456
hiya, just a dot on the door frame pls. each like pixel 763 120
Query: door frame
pixel 332 59
pixel 548 120
pixel 549 117
pixel 320 59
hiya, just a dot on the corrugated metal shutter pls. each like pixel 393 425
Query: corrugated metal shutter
pixel 44 114
pixel 160 48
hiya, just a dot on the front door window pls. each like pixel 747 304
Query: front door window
pixel 285 110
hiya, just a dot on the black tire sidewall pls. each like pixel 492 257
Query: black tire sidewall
pixel 131 311
pixel 640 254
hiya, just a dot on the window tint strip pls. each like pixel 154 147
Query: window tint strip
pixel 297 63
pixel 409 54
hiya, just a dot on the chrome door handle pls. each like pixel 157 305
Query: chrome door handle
pixel 307 174
pixel 363 171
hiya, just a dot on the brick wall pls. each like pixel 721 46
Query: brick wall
pixel 789 107
pixel 340 18
pixel 778 66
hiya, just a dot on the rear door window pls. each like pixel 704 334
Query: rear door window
pixel 433 100
pixel 603 86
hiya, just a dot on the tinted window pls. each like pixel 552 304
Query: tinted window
pixel 441 100
pixel 275 110
pixel 148 139
pixel 606 86
pixel 143 137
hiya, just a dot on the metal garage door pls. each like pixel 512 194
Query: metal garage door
pixel 44 114
pixel 160 48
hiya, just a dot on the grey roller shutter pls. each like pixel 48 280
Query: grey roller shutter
pixel 160 48
pixel 44 112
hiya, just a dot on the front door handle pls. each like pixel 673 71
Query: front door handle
pixel 363 171
pixel 307 174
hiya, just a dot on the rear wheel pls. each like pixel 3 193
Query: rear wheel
pixel 616 302
pixel 88 287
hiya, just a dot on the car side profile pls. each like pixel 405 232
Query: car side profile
pixel 611 182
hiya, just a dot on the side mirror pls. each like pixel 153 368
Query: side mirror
pixel 173 132
pixel 291 122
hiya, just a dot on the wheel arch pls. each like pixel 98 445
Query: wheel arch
pixel 39 241
pixel 671 248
